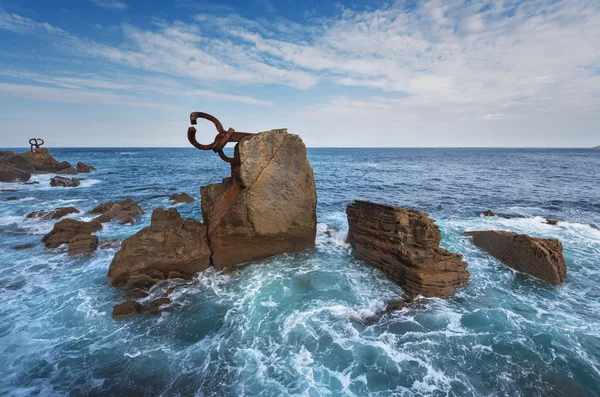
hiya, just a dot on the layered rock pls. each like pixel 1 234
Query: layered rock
pixel 181 198
pixel 61 181
pixel 539 257
pixel 122 212
pixel 83 244
pixel 65 230
pixel 169 244
pixel 53 214
pixel 267 207
pixel 404 243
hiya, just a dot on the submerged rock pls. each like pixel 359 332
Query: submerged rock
pixel 181 198
pixel 267 207
pixel 170 243
pixel 23 247
pixel 122 212
pixel 63 231
pixel 126 309
pixel 404 244
pixel 539 257
pixel 53 214
pixel 61 181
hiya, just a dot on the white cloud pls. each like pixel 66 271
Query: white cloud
pixel 110 4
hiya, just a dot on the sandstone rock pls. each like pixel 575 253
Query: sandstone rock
pixel 155 306
pixel 84 168
pixel 137 293
pixel 110 243
pixel 275 208
pixel 66 229
pixel 60 181
pixel 539 257
pixel 181 198
pixel 83 244
pixel 122 212
pixel 126 309
pixel 404 244
pixel 12 174
pixel 53 214
pixel 170 243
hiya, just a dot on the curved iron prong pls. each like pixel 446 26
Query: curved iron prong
pixel 224 157
pixel 192 138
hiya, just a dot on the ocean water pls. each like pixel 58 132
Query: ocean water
pixel 292 325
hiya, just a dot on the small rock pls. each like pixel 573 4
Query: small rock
pixel 9 191
pixel 63 231
pixel 182 198
pixel 23 246
pixel 505 216
pixel 552 222
pixel 61 181
pixel 13 198
pixel 123 212
pixel 126 309
pixel 154 306
pixel 53 214
pixel 84 168
pixel 137 293
pixel 31 183
pixel 83 244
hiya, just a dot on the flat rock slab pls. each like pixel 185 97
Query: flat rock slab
pixel 539 257
pixel 404 243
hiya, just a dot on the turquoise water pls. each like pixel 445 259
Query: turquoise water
pixel 291 325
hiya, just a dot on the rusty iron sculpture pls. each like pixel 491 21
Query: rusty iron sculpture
pixel 222 138
pixel 35 143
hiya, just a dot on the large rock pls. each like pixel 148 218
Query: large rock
pixel 118 211
pixel 53 214
pixel 83 244
pixel 404 244
pixel 63 231
pixel 17 167
pixel 267 207
pixel 539 257
pixel 169 244
pixel 9 173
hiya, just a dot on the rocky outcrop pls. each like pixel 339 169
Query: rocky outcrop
pixel 181 198
pixel 84 168
pixel 83 244
pixel 122 212
pixel 267 207
pixel 169 244
pixel 66 230
pixel 19 167
pixel 404 244
pixel 539 257
pixel 126 309
pixel 61 181
pixel 53 214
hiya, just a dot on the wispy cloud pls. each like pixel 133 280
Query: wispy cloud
pixel 110 4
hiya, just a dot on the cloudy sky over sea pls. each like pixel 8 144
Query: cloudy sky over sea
pixel 343 73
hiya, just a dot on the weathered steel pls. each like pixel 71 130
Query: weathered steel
pixel 222 138
pixel 35 143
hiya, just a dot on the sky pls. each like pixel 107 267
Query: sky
pixel 433 73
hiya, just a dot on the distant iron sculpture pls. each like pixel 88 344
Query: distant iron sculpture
pixel 222 138
pixel 35 143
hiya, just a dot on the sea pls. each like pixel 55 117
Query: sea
pixel 294 325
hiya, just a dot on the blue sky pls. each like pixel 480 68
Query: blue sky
pixel 350 73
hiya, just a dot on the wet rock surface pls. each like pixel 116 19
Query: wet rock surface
pixel 122 212
pixel 170 243
pixel 126 309
pixel 23 247
pixel 61 181
pixel 539 257
pixel 267 207
pixel 83 244
pixel 404 243
pixel 9 173
pixel 181 198
pixel 53 214
pixel 84 168
pixel 64 230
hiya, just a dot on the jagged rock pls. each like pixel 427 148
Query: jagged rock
pixel 404 244
pixel 61 181
pixel 83 244
pixel 275 209
pixel 181 198
pixel 170 243
pixel 126 309
pixel 84 168
pixel 23 247
pixel 539 257
pixel 53 214
pixel 155 306
pixel 9 173
pixel 122 212
pixel 66 229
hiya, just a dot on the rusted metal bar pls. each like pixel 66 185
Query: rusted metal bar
pixel 35 143
pixel 222 138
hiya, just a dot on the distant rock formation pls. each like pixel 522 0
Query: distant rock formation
pixel 122 212
pixel 505 216
pixel 77 234
pixel 267 207
pixel 61 181
pixel 539 257
pixel 53 214
pixel 404 243
pixel 169 244
pixel 181 198
pixel 596 147
pixel 20 167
